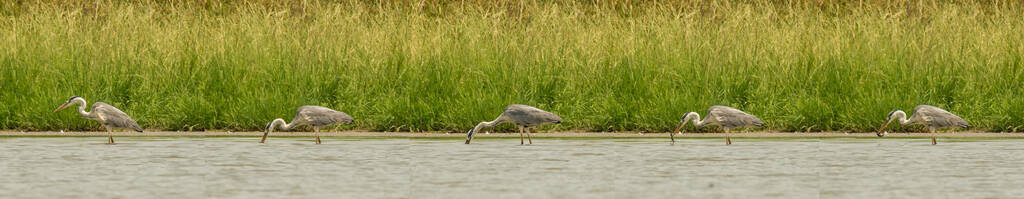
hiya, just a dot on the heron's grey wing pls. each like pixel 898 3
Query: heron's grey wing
pixel 955 121
pixel 300 117
pixel 753 120
pixel 303 115
pixel 732 117
pixel 721 114
pixel 322 116
pixel 528 115
pixel 114 117
pixel 938 117
pixel 923 114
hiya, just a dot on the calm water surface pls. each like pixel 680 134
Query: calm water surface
pixel 84 167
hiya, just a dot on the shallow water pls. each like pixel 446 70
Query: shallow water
pixel 84 167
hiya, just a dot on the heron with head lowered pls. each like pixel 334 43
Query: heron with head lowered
pixel 726 117
pixel 525 117
pixel 314 116
pixel 111 117
pixel 927 115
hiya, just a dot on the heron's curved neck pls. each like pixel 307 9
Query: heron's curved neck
pixel 697 122
pixel 279 123
pixel 496 121
pixel 903 119
pixel 482 125
pixel 490 124
pixel 81 107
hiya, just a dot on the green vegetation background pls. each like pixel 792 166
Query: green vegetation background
pixel 446 65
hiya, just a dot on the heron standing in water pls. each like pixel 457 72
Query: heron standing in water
pixel 525 117
pixel 933 117
pixel 726 117
pixel 315 116
pixel 111 117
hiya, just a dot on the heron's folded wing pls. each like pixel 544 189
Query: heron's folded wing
pixel 115 117
pixel 321 116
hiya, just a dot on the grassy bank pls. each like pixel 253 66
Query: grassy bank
pixel 609 66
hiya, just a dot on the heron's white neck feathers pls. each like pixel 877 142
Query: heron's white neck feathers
pixel 483 125
pixel 492 123
pixel 279 123
pixel 695 117
pixel 902 116
pixel 495 122
pixel 479 126
pixel 81 107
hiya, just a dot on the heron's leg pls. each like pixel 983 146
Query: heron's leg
pixel 528 134
pixel 932 130
pixel 316 131
pixel 521 135
pixel 110 135
pixel 727 140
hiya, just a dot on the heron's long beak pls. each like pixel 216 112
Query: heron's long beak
pixel 673 135
pixel 61 107
pixel 879 132
pixel 264 136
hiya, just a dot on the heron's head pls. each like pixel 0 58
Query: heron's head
pixel 892 116
pixel 270 127
pixel 68 103
pixel 895 114
pixel 686 117
pixel 469 135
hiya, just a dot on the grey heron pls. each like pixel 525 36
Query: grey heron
pixel 111 117
pixel 930 116
pixel 525 117
pixel 726 117
pixel 315 116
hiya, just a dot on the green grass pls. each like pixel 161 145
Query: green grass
pixel 613 66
